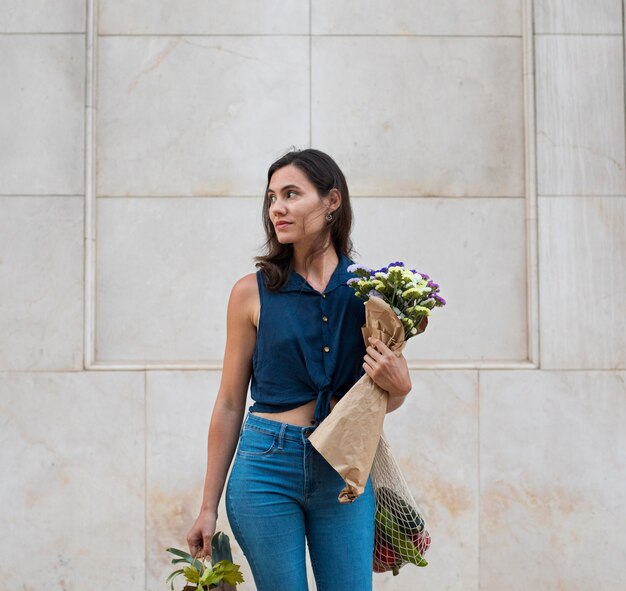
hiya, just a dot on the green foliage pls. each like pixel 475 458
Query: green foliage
pixel 192 574
pixel 220 568
pixel 410 295
pixel 220 548
pixel 224 570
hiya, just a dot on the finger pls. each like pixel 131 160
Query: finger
pixel 195 550
pixel 207 545
pixel 379 359
pixel 379 346
pixel 375 345
pixel 373 353
pixel 370 361
pixel 192 542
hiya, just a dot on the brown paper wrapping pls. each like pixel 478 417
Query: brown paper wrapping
pixel 348 437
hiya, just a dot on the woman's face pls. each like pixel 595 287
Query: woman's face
pixel 295 208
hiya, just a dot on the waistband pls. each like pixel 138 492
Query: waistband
pixel 285 430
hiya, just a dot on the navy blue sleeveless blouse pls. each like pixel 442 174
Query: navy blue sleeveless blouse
pixel 309 344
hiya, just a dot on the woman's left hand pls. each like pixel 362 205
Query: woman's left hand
pixel 388 370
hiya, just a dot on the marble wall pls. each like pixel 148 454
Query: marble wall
pixel 482 140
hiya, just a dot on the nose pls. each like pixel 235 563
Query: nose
pixel 278 207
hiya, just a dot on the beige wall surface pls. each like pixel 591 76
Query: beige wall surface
pixel 483 142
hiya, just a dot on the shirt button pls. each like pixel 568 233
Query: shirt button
pixel 327 348
pixel 325 318
pixel 323 295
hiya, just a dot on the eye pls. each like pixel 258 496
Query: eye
pixel 272 197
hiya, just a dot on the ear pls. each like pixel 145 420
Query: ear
pixel 334 199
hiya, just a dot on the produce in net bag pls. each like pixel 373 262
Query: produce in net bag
pixel 398 302
pixel 400 535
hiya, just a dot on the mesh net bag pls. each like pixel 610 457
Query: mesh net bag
pixel 400 535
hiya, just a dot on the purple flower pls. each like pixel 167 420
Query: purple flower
pixel 438 299
pixel 396 264
pixel 358 267
pixel 375 294
pixel 423 275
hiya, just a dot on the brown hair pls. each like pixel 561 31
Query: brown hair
pixel 324 173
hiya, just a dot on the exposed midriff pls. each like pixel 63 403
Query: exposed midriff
pixel 302 416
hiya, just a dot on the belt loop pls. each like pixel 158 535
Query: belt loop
pixel 283 427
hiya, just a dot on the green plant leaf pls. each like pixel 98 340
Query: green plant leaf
pixel 220 548
pixel 170 579
pixel 177 560
pixel 210 577
pixel 229 572
pixel 191 574
pixel 185 557
pixel 233 578
pixel 197 562
pixel 181 553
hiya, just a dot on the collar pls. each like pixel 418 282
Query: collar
pixel 295 281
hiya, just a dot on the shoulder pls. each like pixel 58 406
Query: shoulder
pixel 245 289
pixel 244 296
pixel 246 282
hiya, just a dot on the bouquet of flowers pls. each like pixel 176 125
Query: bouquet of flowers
pixel 411 295
pixel 398 302
pixel 221 573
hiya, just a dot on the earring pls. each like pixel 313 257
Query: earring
pixel 329 216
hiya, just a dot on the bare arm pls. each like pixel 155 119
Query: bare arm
pixel 228 411
pixel 221 445
pixel 395 402
pixel 397 398
pixel 390 371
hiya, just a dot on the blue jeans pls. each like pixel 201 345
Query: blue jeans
pixel 281 491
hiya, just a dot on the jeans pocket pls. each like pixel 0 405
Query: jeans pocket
pixel 255 443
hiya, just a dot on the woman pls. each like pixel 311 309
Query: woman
pixel 293 330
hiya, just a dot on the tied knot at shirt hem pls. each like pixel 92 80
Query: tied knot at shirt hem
pixel 322 405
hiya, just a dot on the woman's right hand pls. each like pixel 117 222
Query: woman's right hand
pixel 201 534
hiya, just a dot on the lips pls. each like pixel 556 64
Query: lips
pixel 282 224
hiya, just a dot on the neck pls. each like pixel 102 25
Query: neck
pixel 320 268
